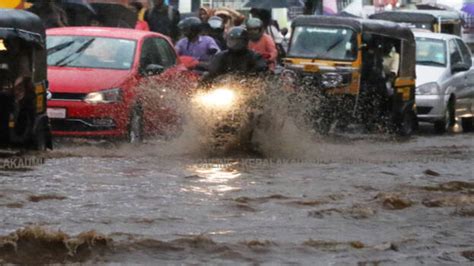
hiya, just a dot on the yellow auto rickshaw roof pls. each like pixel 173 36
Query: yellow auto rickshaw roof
pixel 379 27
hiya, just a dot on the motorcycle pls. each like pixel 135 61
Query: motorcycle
pixel 225 114
pixel 234 112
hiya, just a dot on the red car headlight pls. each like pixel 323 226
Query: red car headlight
pixel 105 96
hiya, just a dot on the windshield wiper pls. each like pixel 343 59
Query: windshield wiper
pixel 429 62
pixel 332 46
pixel 59 47
pixel 78 52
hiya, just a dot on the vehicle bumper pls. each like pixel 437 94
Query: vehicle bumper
pixel 430 108
pixel 87 120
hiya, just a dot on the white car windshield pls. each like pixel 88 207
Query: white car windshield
pixel 90 52
pixel 430 52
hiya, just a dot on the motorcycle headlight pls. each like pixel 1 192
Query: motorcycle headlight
pixel 218 98
pixel 431 88
pixel 105 96
pixel 289 76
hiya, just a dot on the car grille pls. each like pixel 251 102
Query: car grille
pixel 71 125
pixel 422 110
pixel 68 96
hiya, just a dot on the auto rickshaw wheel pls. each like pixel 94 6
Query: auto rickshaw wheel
pixel 449 119
pixel 467 124
pixel 40 138
pixel 135 130
pixel 407 124
pixel 23 125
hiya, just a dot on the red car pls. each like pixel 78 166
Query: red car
pixel 94 76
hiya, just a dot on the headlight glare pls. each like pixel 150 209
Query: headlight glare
pixel 217 98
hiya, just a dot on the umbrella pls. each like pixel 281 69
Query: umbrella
pixel 78 13
pixel 83 3
pixel 469 9
pixel 433 7
pixel 115 15
pixel 347 14
pixel 267 4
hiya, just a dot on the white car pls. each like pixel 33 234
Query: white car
pixel 445 81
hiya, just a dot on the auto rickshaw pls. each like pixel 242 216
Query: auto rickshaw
pixel 24 122
pixel 439 21
pixel 341 60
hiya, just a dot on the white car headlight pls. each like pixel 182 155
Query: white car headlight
pixel 105 96
pixel 431 88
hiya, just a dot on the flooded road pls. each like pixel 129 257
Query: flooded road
pixel 337 200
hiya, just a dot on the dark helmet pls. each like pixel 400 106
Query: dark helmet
pixel 190 26
pixel 237 39
pixel 255 28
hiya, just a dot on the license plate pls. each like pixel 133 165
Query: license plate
pixel 311 68
pixel 56 112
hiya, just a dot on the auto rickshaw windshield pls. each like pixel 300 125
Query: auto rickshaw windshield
pixel 333 43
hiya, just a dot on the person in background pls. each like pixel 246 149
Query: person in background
pixel 204 14
pixel 201 48
pixel 163 19
pixel 271 28
pixel 19 68
pixel 231 17
pixel 216 31
pixel 140 10
pixel 391 65
pixel 261 43
pixel 50 13
pixel 237 59
pixel 286 39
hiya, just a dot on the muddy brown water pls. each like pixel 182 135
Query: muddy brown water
pixel 341 200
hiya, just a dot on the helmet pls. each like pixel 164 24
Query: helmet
pixel 255 28
pixel 237 39
pixel 190 26
pixel 216 22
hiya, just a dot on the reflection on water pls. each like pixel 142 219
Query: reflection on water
pixel 215 178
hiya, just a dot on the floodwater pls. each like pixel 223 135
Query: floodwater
pixel 338 200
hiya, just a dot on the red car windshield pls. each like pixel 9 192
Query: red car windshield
pixel 90 52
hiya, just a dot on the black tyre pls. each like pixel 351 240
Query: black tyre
pixel 467 124
pixel 40 138
pixel 449 119
pixel 407 124
pixel 23 126
pixel 135 127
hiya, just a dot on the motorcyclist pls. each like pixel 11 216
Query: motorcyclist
pixel 261 43
pixel 200 48
pixel 216 31
pixel 238 58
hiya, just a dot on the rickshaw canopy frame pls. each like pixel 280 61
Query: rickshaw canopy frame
pixel 23 25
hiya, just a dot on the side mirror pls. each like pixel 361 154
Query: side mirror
pixel 152 69
pixel 459 67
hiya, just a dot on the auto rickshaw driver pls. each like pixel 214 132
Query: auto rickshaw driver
pixel 16 65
